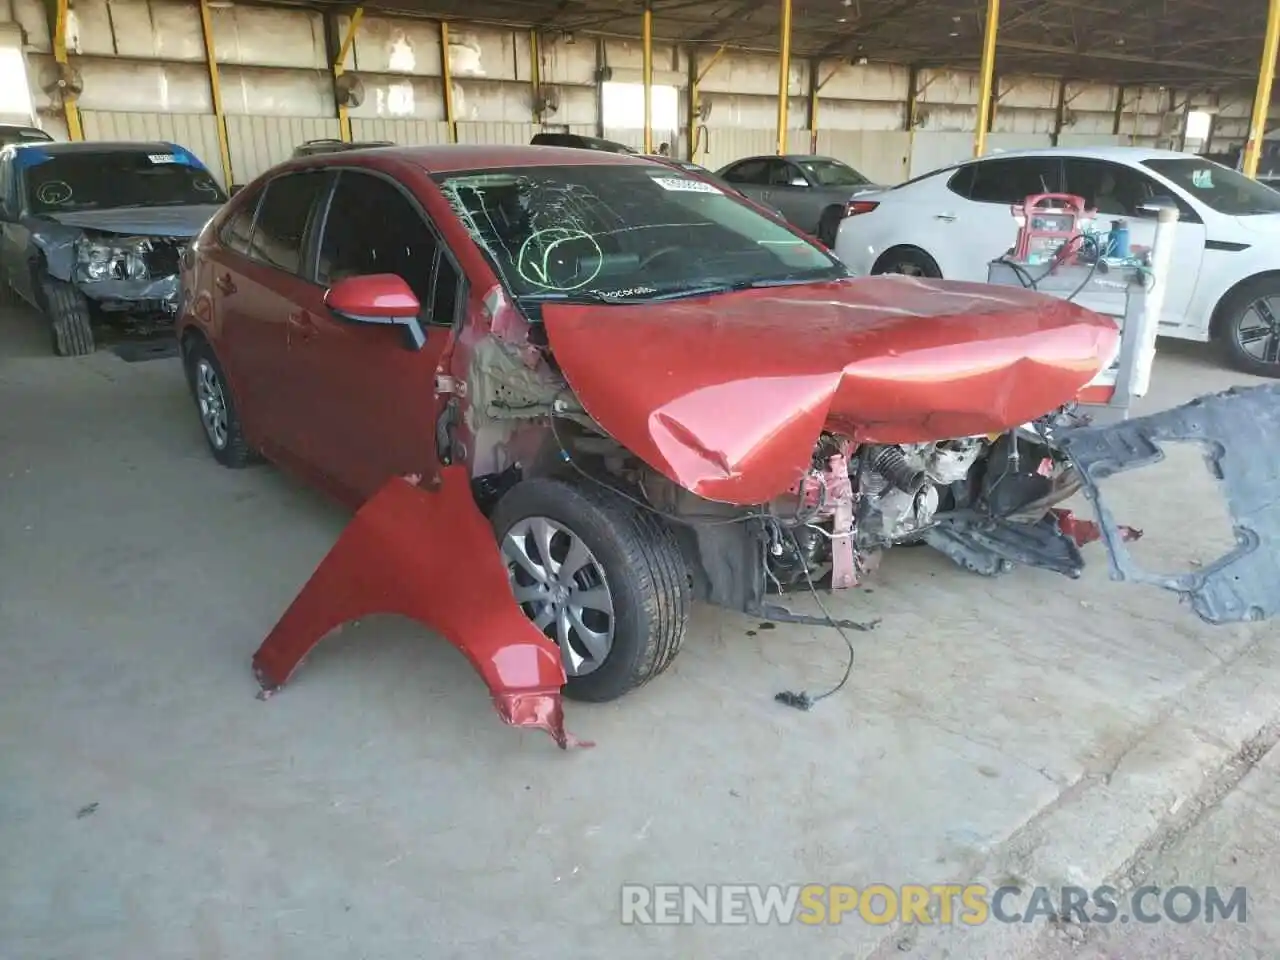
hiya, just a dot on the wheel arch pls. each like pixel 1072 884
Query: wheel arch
pixel 900 247
pixel 1219 315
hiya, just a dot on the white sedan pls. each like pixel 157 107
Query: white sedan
pixel 1225 281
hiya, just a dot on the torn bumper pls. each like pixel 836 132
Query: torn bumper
pixel 1240 434
pixel 159 294
pixel 427 554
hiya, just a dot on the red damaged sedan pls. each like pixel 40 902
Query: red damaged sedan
pixel 570 392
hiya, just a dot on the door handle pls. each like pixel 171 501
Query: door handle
pixel 225 284
pixel 301 321
pixel 945 217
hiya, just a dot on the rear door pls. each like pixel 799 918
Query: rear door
pixel 256 290
pixel 975 224
pixel 367 400
pixel 752 177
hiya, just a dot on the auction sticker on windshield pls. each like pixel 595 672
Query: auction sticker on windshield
pixel 680 184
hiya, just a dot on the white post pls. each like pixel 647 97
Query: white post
pixel 1161 258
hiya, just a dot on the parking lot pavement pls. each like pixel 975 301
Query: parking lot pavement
pixel 1027 726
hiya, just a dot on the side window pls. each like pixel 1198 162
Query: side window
pixel 6 179
pixel 1114 189
pixel 237 231
pixel 283 214
pixel 749 171
pixel 373 228
pixel 1013 180
pixel 783 174
pixel 961 181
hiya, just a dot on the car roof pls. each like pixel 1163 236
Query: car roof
pixel 454 157
pixel 61 147
pixel 1104 152
pixel 793 157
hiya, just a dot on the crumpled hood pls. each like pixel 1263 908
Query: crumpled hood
pixel 727 395
pixel 184 221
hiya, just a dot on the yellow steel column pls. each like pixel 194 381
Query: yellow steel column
pixel 446 78
pixel 535 75
pixel 69 107
pixel 215 90
pixel 646 50
pixel 988 73
pixel 1262 101
pixel 784 75
pixel 340 66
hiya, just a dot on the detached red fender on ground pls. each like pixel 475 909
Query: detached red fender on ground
pixel 427 554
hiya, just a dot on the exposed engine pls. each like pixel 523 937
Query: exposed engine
pixel 857 499
pixel 900 487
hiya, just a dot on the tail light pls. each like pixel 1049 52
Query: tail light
pixel 856 207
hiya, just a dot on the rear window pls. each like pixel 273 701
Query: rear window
pixel 833 173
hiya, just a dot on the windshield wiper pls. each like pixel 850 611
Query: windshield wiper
pixel 657 296
pixel 711 289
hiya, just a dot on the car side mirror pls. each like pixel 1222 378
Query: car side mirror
pixel 798 182
pixel 378 298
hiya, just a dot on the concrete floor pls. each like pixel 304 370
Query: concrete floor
pixel 1027 727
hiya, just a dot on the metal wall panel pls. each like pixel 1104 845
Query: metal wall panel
pixel 406 132
pixel 497 133
pixel 1094 140
pixel 933 149
pixel 197 132
pixel 258 143
pixel 1017 141
pixel 883 156
pixel 724 145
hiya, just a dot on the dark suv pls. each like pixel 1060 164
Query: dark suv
pixel 17 133
pixel 578 142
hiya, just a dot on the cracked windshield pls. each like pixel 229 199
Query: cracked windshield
pixel 625 232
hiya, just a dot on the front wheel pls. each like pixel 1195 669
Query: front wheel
pixel 1250 330
pixel 602 578
pixel 71 324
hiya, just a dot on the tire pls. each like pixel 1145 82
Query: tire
pixel 631 553
pixel 909 261
pixel 71 324
pixel 1241 322
pixel 216 407
pixel 829 225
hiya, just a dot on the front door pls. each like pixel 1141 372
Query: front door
pixel 366 398
pixel 1117 192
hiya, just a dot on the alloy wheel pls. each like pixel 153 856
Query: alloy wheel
pixel 561 587
pixel 213 404
pixel 1258 330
